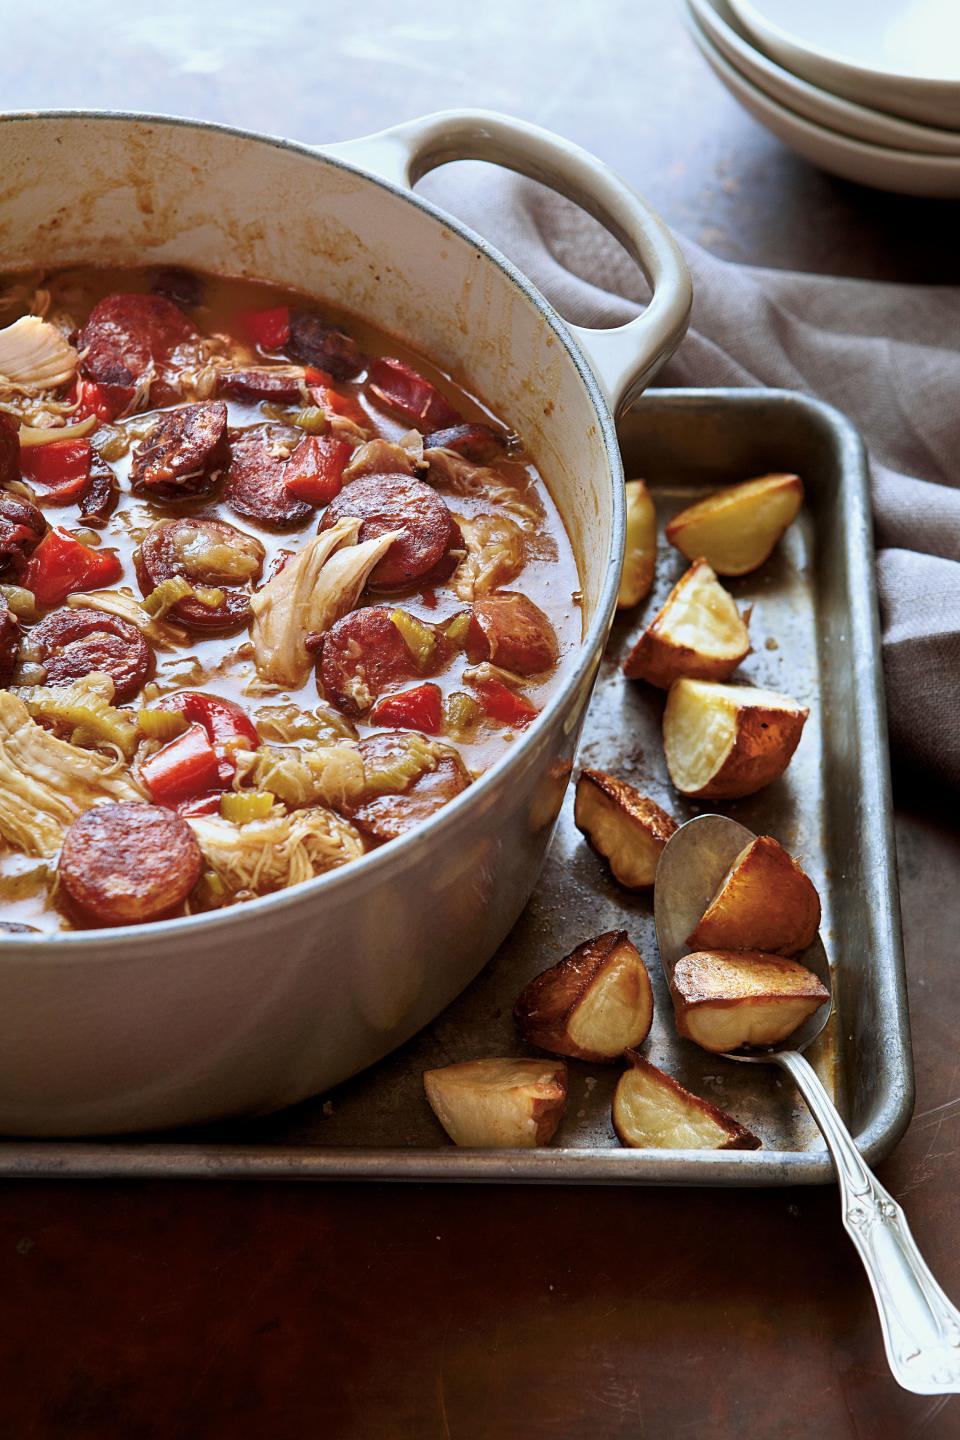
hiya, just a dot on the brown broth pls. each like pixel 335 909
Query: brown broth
pixel 211 662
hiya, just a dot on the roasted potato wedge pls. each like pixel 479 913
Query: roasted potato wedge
pixel 723 741
pixel 651 1111
pixel 640 555
pixel 764 902
pixel 623 826
pixel 593 1004
pixel 736 528
pixel 699 632
pixel 723 999
pixel 500 1103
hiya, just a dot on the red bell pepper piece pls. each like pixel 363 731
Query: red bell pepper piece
pixel 224 723
pixel 270 329
pixel 207 804
pixel 104 401
pixel 315 469
pixel 61 564
pixel 332 402
pixel 183 769
pixel 403 389
pixel 418 709
pixel 61 468
pixel 500 703
pixel 313 376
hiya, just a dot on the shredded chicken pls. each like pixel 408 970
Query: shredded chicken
pixel 314 589
pixel 495 554
pixel 34 356
pixel 45 783
pixel 481 482
pixel 123 602
pixel 387 457
pixel 266 855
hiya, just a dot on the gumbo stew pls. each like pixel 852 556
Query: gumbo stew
pixel 272 591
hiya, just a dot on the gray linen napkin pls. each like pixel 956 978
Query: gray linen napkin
pixel 887 355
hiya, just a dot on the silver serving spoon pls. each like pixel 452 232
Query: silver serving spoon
pixel 921 1327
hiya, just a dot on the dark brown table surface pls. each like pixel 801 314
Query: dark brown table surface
pixel 155 1310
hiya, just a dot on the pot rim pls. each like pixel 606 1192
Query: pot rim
pixel 395 853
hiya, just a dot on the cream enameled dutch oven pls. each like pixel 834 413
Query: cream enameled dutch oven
pixel 251 1008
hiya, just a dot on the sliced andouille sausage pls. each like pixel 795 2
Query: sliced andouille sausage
pixel 22 527
pixel 9 450
pixel 100 500
pixel 126 863
pixel 126 335
pixel 258 462
pixel 73 643
pixel 428 532
pixel 9 641
pixel 203 552
pixel 384 817
pixel 184 452
pixel 509 630
pixel 263 382
pixel 183 287
pixel 411 394
pixel 360 656
pixel 315 342
pixel 475 442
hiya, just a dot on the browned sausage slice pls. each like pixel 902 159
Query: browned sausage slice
pixel 386 816
pixel 73 643
pixel 255 488
pixel 428 532
pixel 127 334
pixel 360 656
pixel 183 287
pixel 183 453
pixel 512 632
pixel 22 527
pixel 475 442
pixel 9 641
pixel 316 343
pixel 9 450
pixel 204 552
pixel 125 863
pixel 100 501
pixel 263 382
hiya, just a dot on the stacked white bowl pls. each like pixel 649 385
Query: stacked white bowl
pixel 867 89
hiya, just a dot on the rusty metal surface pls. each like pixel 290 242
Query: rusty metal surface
pixel 814 635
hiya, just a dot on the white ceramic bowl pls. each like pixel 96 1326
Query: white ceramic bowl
pixel 902 56
pixel 718 21
pixel 253 1007
pixel 879 166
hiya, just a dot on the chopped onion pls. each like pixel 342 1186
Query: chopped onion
pixel 30 436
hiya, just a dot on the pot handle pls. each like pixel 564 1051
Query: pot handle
pixel 624 358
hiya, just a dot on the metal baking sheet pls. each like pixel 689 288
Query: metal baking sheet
pixel 815 635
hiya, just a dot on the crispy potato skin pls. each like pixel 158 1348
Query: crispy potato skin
pixel 766 902
pixel 498 1102
pixel 659 659
pixel 741 980
pixel 651 825
pixel 765 740
pixel 706 528
pixel 641 1072
pixel 546 1006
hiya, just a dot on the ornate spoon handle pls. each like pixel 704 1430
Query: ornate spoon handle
pixel 921 1327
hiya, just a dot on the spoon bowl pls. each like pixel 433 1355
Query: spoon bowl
pixel 921 1326
pixel 692 866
